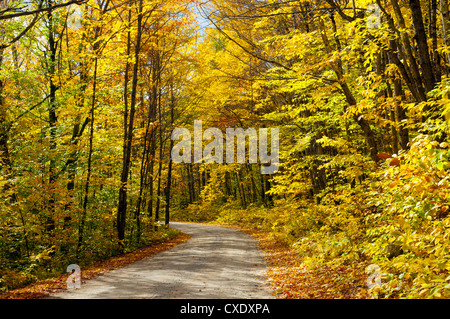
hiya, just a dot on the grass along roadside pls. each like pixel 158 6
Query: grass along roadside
pixel 45 287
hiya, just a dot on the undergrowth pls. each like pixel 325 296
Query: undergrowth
pixel 50 263
pixel 396 218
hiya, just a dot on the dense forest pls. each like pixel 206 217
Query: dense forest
pixel 91 91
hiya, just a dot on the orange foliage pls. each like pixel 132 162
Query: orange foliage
pixel 292 280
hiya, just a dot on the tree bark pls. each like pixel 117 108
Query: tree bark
pixel 52 118
pixel 413 67
pixel 443 5
pixel 160 163
pixel 403 131
pixel 5 160
pixel 241 189
pixel 190 182
pixel 89 163
pixel 169 172
pixel 122 206
pixel 422 46
pixel 433 36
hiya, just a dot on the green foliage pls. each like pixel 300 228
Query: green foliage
pixel 203 212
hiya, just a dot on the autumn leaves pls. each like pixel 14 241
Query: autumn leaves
pixel 89 94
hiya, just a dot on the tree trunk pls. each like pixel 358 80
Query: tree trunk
pixel 254 190
pixel 5 160
pixel 241 189
pixel 190 181
pixel 122 206
pixel 422 46
pixel 227 182
pixel 169 172
pixel 267 187
pixel 445 24
pixel 413 67
pixel 433 36
pixel 143 174
pixel 52 118
pixel 160 163
pixel 151 178
pixel 89 163
pixel 400 111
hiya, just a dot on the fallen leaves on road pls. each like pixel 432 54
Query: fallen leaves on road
pixel 290 279
pixel 45 287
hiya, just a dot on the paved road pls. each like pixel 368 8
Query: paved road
pixel 217 262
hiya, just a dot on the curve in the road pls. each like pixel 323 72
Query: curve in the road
pixel 217 262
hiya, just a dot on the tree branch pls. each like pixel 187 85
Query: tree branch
pixel 32 23
pixel 39 10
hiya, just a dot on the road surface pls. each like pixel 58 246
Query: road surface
pixel 216 262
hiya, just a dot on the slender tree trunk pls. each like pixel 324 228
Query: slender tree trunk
pixel 160 163
pixel 253 183
pixel 190 176
pixel 158 187
pixel 151 179
pixel 267 187
pixel 199 181
pixel 443 4
pixel 169 172
pixel 142 177
pixel 78 127
pixel 89 163
pixel 121 210
pixel 52 118
pixel 413 67
pixel 228 191
pixel 400 111
pixel 422 45
pixel 122 206
pixel 152 151
pixel 241 190
pixel 433 36
pixel 153 113
pixel 263 191
pixel 393 131
pixel 5 161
